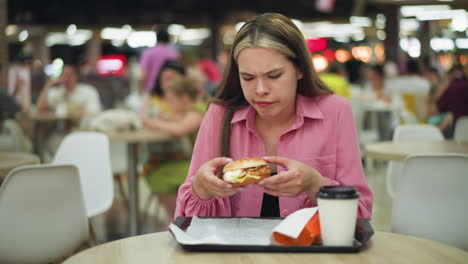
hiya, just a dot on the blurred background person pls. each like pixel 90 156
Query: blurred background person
pixel 166 171
pixel 152 59
pixel 335 79
pixel 375 76
pixel 154 100
pixel 19 81
pixel 77 98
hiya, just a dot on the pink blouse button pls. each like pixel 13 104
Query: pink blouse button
pixel 285 212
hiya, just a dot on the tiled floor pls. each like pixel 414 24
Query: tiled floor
pixel 114 223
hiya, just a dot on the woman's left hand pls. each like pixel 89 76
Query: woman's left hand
pixel 296 178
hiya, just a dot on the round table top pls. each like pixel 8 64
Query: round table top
pixel 139 136
pixel 162 248
pixel 11 160
pixel 398 151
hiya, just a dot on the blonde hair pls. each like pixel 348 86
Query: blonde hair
pixel 277 32
pixel 184 86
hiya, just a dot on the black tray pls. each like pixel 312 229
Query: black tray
pixel 363 232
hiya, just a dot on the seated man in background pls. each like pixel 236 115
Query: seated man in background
pixel 65 96
pixel 65 92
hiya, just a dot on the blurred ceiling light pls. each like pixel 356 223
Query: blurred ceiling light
pixel 80 37
pixel 71 29
pixel 414 10
pixel 298 23
pixel 440 15
pixel 362 53
pixel 442 44
pixel 409 24
pixel 380 21
pixel 379 51
pixel 460 21
pixel 23 35
pixel 461 43
pixel 127 28
pixel 175 29
pixel 320 62
pixel 138 39
pixel 342 55
pixel 360 21
pixel 359 36
pixel 412 46
pixel 117 42
pixel 381 35
pixel 329 30
pixel 117 33
pixel 194 35
pixel 11 30
pixel 342 39
pixel 239 25
pixel 445 0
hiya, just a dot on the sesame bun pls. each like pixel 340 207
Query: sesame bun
pixel 244 164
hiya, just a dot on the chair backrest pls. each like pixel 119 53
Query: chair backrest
pixel 12 137
pixel 42 214
pixel 408 132
pixel 89 151
pixel 461 129
pixel 417 132
pixel 431 199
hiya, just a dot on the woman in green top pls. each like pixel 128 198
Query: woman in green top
pixel 166 172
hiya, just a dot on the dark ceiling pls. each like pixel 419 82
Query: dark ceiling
pixel 149 12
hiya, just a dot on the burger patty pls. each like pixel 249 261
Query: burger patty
pixel 259 171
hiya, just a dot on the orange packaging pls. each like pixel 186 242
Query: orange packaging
pixel 309 235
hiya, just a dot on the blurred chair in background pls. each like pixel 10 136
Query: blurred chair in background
pixel 405 133
pixel 89 151
pixel 42 212
pixel 12 137
pixel 431 197
pixel 461 129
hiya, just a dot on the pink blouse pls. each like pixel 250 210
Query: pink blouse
pixel 323 136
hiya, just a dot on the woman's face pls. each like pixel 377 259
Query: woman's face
pixel 167 76
pixel 269 82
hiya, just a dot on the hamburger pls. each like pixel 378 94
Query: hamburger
pixel 246 171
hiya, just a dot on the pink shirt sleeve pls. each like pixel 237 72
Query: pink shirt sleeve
pixel 206 148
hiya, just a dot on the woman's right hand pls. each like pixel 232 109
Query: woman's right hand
pixel 206 183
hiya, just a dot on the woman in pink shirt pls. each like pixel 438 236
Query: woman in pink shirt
pixel 272 104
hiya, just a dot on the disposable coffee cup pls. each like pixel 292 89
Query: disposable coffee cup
pixel 337 206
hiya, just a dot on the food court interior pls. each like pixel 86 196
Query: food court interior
pixel 401 64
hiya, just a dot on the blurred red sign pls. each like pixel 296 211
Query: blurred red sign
pixel 111 65
pixel 317 44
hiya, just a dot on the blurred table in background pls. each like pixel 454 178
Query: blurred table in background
pixel 11 160
pixel 162 248
pixel 398 151
pixel 133 138
pixel 40 120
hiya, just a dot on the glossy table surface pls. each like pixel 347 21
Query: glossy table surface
pixel 162 248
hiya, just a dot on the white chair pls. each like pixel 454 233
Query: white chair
pixel 461 129
pixel 404 133
pixel 431 199
pixel 89 151
pixel 42 214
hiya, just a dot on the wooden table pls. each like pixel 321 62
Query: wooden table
pixel 11 160
pixel 398 151
pixel 133 138
pixel 162 248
